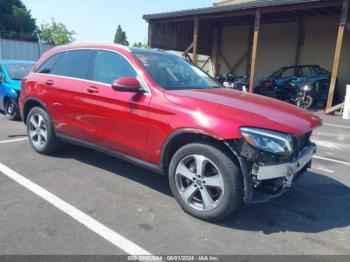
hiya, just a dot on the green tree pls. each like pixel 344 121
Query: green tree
pixel 140 45
pixel 56 33
pixel 120 37
pixel 16 18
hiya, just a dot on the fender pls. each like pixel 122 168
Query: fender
pixel 245 171
pixel 182 131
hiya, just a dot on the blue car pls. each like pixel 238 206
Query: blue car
pixel 287 81
pixel 11 74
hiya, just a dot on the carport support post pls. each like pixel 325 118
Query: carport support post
pixel 254 50
pixel 338 48
pixel 195 39
pixel 216 50
pixel 300 41
pixel 150 35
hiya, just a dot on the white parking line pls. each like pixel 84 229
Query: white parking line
pixel 13 140
pixel 103 231
pixel 334 125
pixel 332 160
pixel 324 169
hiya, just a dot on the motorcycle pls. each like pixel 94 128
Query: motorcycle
pixel 239 83
pixel 295 94
pixel 304 97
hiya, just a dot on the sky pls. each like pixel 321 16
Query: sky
pixel 95 21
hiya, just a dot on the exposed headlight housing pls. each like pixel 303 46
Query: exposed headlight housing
pixel 269 141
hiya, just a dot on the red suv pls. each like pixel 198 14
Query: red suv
pixel 218 146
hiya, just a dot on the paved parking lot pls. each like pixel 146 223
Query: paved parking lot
pixel 109 202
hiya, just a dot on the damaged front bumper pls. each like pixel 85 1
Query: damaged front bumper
pixel 287 170
pixel 267 177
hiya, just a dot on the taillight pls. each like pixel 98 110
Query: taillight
pixel 325 82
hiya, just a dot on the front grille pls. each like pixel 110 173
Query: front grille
pixel 302 142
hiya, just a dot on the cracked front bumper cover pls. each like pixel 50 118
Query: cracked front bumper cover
pixel 272 181
pixel 268 176
pixel 289 169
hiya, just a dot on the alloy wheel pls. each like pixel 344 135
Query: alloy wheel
pixel 11 109
pixel 37 130
pixel 199 182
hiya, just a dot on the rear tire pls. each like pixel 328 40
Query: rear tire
pixel 12 111
pixel 205 181
pixel 40 132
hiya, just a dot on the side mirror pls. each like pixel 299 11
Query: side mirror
pixel 127 85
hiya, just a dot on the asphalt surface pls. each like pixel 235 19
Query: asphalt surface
pixel 313 218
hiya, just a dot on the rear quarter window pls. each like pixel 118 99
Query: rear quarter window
pixel 48 67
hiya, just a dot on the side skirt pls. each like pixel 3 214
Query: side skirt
pixel 112 153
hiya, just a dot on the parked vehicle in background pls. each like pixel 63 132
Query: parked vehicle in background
pixel 239 83
pixel 292 93
pixel 217 146
pixel 297 79
pixel 11 75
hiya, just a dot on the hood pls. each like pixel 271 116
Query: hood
pixel 247 109
pixel 14 84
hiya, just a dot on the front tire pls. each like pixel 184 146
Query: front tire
pixel 40 131
pixel 12 111
pixel 306 103
pixel 205 181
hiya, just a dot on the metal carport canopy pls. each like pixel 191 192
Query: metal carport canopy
pixel 177 36
pixel 233 7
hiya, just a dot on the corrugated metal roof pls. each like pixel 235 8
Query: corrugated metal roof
pixel 232 2
pixel 226 8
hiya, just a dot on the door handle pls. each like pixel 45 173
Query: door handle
pixel 92 90
pixel 49 82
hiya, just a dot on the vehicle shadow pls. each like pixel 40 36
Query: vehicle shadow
pixel 317 203
pixel 116 166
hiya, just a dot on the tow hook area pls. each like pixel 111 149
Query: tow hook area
pixel 289 181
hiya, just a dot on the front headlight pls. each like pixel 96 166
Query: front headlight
pixel 269 141
pixel 306 88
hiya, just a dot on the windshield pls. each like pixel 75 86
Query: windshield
pixel 278 73
pixel 172 72
pixel 18 71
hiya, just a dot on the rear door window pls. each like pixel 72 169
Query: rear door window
pixel 109 66
pixel 75 64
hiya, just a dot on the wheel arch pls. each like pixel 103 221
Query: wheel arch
pixel 5 100
pixel 29 104
pixel 183 137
